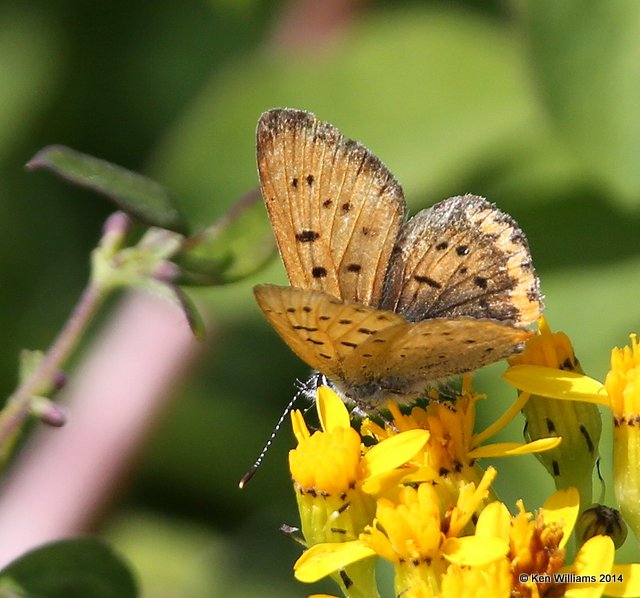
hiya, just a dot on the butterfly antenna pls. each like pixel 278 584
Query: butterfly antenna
pixel 252 470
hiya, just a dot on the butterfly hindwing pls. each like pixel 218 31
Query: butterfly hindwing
pixel 432 350
pixel 463 258
pixel 335 208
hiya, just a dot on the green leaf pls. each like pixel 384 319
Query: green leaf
pixel 28 76
pixel 192 314
pixel 135 194
pixel 236 246
pixel 586 57
pixel 78 568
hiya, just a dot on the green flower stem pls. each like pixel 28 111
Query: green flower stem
pixel 18 406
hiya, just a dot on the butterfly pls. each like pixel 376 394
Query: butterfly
pixel 382 306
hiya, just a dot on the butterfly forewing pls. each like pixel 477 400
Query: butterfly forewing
pixel 321 330
pixel 463 258
pixel 335 208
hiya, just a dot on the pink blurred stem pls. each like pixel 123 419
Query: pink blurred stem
pixel 64 477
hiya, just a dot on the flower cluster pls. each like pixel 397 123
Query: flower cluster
pixel 410 491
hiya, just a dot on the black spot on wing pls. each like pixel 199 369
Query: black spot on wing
pixel 349 344
pixel 428 281
pixel 480 281
pixel 307 236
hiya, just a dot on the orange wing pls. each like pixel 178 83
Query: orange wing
pixel 334 207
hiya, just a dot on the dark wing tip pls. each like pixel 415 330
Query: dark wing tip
pixel 283 119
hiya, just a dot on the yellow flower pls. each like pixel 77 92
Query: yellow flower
pixel 492 581
pixel 537 543
pixel 623 388
pixel 578 423
pixel 451 453
pixel 537 556
pixel 520 555
pixel 593 572
pixel 621 393
pixel 623 381
pixel 335 478
pixel 418 535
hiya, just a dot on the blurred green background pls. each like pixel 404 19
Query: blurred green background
pixel 535 105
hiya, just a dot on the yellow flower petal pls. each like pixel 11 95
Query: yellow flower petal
pixel 299 426
pixel 474 550
pixel 394 451
pixel 507 449
pixel 502 421
pixel 562 507
pixel 556 384
pixel 378 484
pixel 627 584
pixel 331 410
pixel 494 521
pixel 594 558
pixel 323 559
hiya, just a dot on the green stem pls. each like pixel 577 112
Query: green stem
pixel 17 408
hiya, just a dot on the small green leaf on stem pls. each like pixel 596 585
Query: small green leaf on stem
pixel 137 195
pixel 234 247
pixel 191 312
pixel 79 568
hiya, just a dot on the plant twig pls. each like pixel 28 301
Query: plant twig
pixel 18 405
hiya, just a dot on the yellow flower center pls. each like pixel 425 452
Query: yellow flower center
pixel 408 531
pixel 327 462
pixel 535 548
